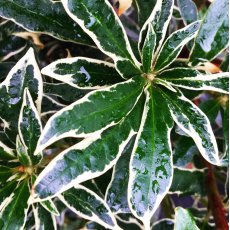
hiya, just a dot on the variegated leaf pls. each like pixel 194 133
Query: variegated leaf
pixel 184 220
pixel 148 49
pixel 6 153
pixel 30 127
pixel 188 10
pixel 151 161
pixel 163 224
pixel 5 192
pixel 44 220
pixel 98 110
pixel 88 205
pixel 9 44
pixel 159 19
pixel 174 44
pixel 144 9
pixel 24 74
pixel 50 207
pixel 50 105
pixel 14 211
pixel 22 153
pixel 106 30
pixel 89 158
pixel 64 91
pixel 194 123
pixel 116 194
pixel 193 80
pixel 5 174
pixel 43 16
pixel 213 36
pixel 83 73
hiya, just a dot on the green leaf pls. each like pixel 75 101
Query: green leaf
pixel 163 224
pixel 5 192
pixel 193 80
pixel 188 11
pixel 184 151
pixel 151 161
pixel 6 153
pixel 144 9
pixel 194 186
pixel 116 194
pixel 24 74
pixel 148 49
pixel 22 154
pixel 225 63
pixel 5 174
pixel 50 105
pixel 13 214
pixel 106 106
pixel 213 35
pixel 43 16
pixel 83 73
pixel 88 205
pixel 50 207
pixel 64 91
pixel 194 123
pixel 184 220
pixel 159 19
pixel 106 30
pixel 9 44
pixel 30 126
pixel 174 44
pixel 43 219
pixel 89 158
pixel 210 108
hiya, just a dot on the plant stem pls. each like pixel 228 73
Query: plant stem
pixel 215 203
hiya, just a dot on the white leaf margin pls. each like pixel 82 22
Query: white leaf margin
pixel 93 217
pixel 148 215
pixel 67 78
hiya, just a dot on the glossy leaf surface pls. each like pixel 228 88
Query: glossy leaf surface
pixel 188 10
pixel 89 158
pixel 184 220
pixel 116 194
pixel 13 214
pixel 22 154
pixel 159 19
pixel 107 107
pixel 83 73
pixel 213 35
pixel 43 16
pixel 193 80
pixel 89 205
pixel 50 206
pixel 151 161
pixel 174 44
pixel 64 91
pixel 24 74
pixel 148 49
pixel 194 123
pixel 6 153
pixel 43 219
pixel 30 126
pixel 98 19
pixel 144 9
pixel 5 174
